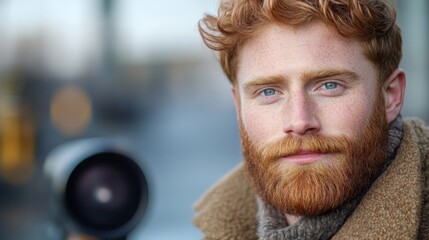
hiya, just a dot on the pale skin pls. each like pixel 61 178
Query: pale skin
pixel 308 80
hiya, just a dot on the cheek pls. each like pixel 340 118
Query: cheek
pixel 346 118
pixel 261 124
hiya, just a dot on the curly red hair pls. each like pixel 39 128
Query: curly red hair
pixel 370 21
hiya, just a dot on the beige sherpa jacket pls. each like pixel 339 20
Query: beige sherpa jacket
pixel 395 207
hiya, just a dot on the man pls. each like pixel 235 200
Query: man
pixel 318 94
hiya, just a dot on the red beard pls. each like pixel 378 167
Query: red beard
pixel 315 188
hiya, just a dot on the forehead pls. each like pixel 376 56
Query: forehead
pixel 280 48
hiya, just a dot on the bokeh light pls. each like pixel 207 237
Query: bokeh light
pixel 71 110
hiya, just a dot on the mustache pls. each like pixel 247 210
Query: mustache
pixel 289 145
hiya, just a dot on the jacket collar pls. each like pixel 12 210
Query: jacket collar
pixel 392 206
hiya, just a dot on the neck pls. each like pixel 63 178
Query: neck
pixel 292 219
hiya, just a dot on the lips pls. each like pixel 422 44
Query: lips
pixel 304 157
pixel 303 152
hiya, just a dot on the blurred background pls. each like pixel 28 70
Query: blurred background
pixel 136 71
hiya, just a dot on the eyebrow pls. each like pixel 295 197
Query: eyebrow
pixel 327 73
pixel 305 76
pixel 260 81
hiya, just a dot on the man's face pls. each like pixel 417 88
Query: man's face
pixel 311 116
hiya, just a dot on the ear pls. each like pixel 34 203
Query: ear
pixel 393 91
pixel 236 96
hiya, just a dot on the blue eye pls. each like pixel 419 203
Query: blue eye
pixel 330 85
pixel 269 92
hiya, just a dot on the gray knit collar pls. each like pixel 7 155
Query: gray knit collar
pixel 272 224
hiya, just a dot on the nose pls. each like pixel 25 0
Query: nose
pixel 300 115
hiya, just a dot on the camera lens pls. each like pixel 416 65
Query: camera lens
pixel 105 191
